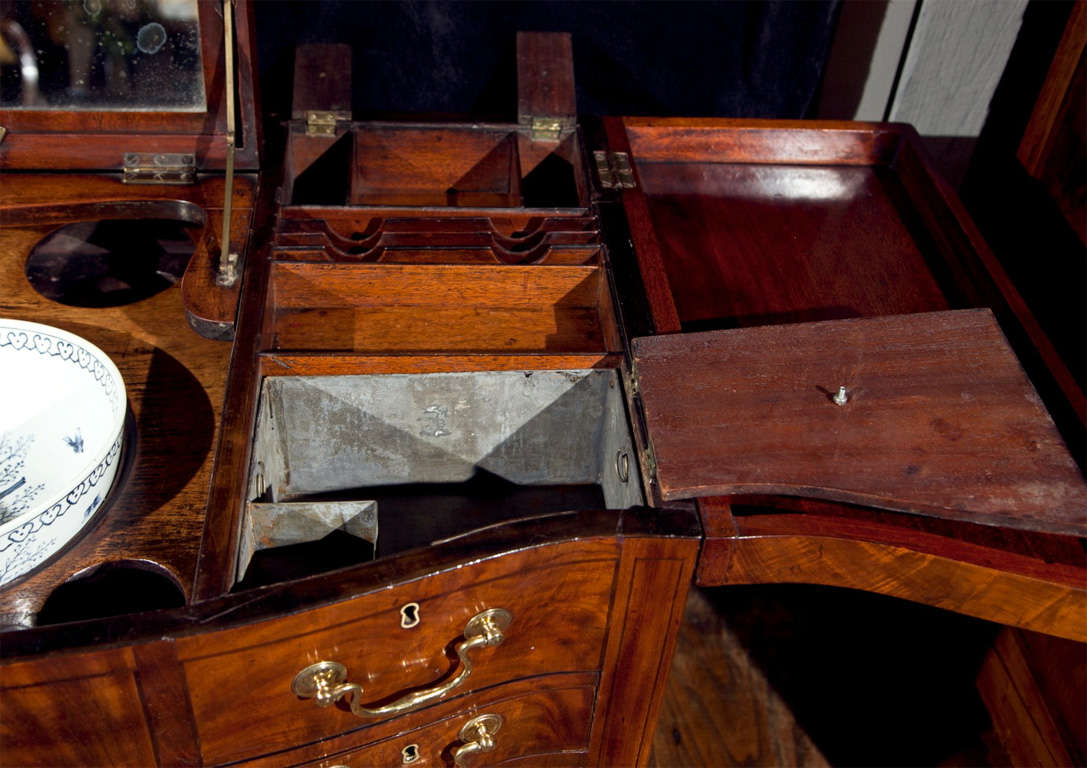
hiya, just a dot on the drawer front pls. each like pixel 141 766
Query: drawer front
pixel 397 642
pixel 544 721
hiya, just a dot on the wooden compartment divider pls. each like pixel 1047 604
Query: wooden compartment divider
pixel 416 308
pixel 545 255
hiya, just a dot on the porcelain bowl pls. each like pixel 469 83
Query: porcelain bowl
pixel 62 413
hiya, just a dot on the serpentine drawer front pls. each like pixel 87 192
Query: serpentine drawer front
pixel 398 650
pixel 544 721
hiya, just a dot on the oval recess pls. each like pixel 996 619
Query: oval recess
pixel 112 588
pixel 110 262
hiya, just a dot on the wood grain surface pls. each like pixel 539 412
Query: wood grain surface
pixel 545 722
pixel 445 165
pixel 1023 579
pixel 175 381
pixel 785 142
pixel 939 419
pixel 772 551
pixel 749 244
pixel 321 364
pixel 646 610
pixel 719 708
pixel 377 308
pixel 645 238
pixel 322 80
pixel 74 710
pixel 347 220
pixel 545 79
pixel 977 277
pixel 1022 716
pixel 574 582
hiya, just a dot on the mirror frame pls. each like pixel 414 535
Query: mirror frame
pixel 87 139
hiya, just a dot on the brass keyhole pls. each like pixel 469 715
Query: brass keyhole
pixel 409 754
pixel 409 616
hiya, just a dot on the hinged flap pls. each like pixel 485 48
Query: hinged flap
pixel 936 418
pixel 546 99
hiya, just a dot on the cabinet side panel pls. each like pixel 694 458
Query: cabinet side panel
pixel 647 607
pixel 77 709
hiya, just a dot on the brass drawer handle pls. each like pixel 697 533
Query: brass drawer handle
pixel 325 680
pixel 478 736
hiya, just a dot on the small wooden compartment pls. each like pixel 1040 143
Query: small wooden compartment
pixel 438 236
pixel 435 165
pixel 439 308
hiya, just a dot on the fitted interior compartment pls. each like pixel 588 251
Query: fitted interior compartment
pixel 439 308
pixel 435 236
pixel 787 243
pixel 450 165
pixel 434 455
pixel 459 165
pixel 766 224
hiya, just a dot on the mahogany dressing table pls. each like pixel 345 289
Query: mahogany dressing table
pixel 421 466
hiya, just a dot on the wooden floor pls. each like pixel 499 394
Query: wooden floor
pixel 810 676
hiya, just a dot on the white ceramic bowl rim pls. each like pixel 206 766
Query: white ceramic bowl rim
pixel 58 343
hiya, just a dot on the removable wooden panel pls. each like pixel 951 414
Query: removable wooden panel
pixel 399 308
pixel 940 419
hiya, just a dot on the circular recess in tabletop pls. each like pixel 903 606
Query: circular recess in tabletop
pixel 112 589
pixel 109 263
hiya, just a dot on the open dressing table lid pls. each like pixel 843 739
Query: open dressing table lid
pixel 101 86
pixel 937 418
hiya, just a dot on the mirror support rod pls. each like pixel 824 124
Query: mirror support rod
pixel 228 262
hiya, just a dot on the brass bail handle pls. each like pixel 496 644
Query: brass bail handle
pixel 478 736
pixel 326 681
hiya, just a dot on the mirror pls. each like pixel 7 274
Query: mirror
pixel 101 55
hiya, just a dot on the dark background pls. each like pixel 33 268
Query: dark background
pixel 728 59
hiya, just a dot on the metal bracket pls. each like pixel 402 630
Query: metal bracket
pixel 546 128
pixel 644 445
pixel 613 169
pixel 158 168
pixel 321 123
pixel 227 274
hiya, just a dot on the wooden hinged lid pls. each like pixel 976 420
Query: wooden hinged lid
pixel 937 418
pixel 140 89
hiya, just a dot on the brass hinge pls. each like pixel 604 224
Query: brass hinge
pixel 646 457
pixel 320 123
pixel 613 169
pixel 159 168
pixel 546 128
